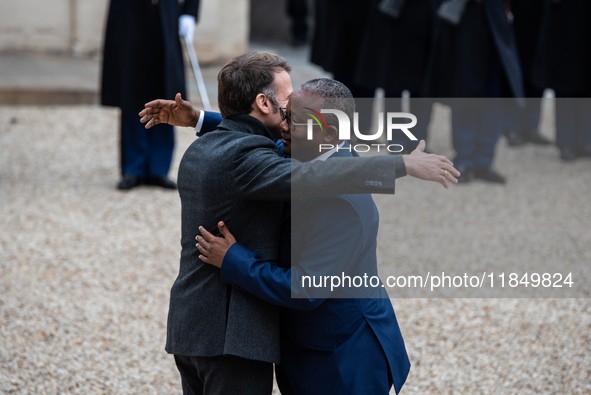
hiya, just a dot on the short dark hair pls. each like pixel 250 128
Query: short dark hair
pixel 244 77
pixel 334 94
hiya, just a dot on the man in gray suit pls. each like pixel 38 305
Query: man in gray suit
pixel 225 340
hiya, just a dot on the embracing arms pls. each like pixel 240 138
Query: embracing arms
pixel 429 167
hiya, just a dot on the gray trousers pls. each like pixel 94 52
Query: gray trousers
pixel 224 374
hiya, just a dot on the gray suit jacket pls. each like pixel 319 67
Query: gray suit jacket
pixel 236 175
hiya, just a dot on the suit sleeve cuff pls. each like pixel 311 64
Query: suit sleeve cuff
pixel 234 263
pixel 400 167
pixel 199 123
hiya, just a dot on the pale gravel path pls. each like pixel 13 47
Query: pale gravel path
pixel 85 271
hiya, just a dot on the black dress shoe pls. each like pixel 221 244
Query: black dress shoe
pixel 161 181
pixel 129 181
pixel 567 154
pixel 487 173
pixel 536 138
pixel 466 174
pixel 514 138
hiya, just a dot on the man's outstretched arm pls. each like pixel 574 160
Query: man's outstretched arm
pixel 418 164
pixel 177 112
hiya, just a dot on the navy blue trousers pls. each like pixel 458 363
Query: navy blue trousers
pixel 526 119
pixel 145 152
pixel 476 131
pixel 477 122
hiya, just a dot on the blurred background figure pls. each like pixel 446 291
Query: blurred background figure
pixel 297 10
pixel 143 60
pixel 337 41
pixel 569 66
pixel 394 55
pixel 530 27
pixel 475 56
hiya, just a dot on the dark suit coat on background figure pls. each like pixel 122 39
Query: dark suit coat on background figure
pixel 337 39
pixel 530 27
pixel 236 174
pixel 142 60
pixel 347 345
pixel 142 56
pixel 395 51
pixel 462 54
pixel 394 56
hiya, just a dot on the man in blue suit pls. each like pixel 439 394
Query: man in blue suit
pixel 331 342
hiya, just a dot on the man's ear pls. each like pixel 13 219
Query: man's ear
pixel 263 104
pixel 331 135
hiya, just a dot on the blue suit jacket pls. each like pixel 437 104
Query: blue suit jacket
pixel 211 121
pixel 328 345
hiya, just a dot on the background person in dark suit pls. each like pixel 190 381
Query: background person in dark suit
pixel 475 56
pixel 337 40
pixel 224 340
pixel 145 157
pixel 394 54
pixel 343 341
pixel 529 25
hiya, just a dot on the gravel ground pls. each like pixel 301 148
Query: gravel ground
pixel 85 270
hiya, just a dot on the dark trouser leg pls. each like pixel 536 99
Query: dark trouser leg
pixel 489 126
pixel 513 122
pixel 467 117
pixel 521 123
pixel 134 145
pixel 224 374
pixel 490 132
pixel 532 114
pixel 190 379
pixel 145 153
pixel 161 146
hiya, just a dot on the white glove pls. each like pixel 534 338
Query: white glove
pixel 187 27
